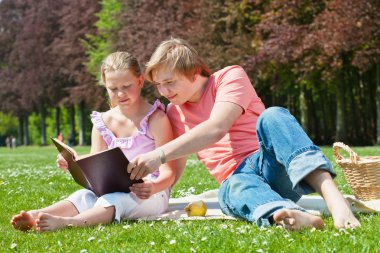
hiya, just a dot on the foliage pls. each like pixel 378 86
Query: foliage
pixel 219 30
pixel 76 19
pixel 224 32
pixel 99 45
pixel 8 124
pixel 34 181
pixel 317 58
pixel 148 22
pixel 34 125
pixel 329 47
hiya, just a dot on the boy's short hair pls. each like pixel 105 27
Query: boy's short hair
pixel 177 55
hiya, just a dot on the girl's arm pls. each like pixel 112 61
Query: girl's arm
pixel 161 131
pixel 97 142
pixel 97 145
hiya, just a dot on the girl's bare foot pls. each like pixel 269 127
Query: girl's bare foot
pixel 296 220
pixel 48 222
pixel 24 221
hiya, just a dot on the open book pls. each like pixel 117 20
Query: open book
pixel 102 173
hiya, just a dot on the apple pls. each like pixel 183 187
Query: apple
pixel 196 208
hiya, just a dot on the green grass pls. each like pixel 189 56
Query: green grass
pixel 29 180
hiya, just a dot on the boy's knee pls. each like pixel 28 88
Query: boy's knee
pixel 272 114
pixel 240 182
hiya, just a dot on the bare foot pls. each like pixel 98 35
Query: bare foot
pixel 24 221
pixel 338 206
pixel 296 220
pixel 48 222
pixel 343 216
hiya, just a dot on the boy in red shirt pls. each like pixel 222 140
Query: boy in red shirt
pixel 262 158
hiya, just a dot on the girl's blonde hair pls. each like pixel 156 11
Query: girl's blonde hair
pixel 176 55
pixel 119 61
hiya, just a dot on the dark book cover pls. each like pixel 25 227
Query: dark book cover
pixel 102 173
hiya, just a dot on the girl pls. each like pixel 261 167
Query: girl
pixel 135 126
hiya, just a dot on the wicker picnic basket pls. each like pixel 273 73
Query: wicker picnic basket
pixel 362 173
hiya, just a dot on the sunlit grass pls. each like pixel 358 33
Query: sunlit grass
pixel 29 180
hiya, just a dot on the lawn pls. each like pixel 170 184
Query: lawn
pixel 29 180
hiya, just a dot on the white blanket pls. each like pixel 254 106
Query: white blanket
pixel 314 204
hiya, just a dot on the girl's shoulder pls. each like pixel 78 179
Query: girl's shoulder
pixel 156 111
pixel 158 119
pixel 108 115
pixel 157 115
pixel 102 119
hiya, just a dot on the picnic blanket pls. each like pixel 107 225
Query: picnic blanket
pixel 314 204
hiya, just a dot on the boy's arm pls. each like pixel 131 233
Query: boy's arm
pixel 198 138
pixel 222 117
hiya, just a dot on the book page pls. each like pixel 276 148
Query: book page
pixel 74 169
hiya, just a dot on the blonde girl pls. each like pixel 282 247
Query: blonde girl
pixel 132 124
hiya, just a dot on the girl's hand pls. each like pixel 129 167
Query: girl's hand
pixel 62 163
pixel 143 190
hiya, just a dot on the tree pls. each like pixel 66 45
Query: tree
pixel 144 24
pixel 12 15
pixel 76 25
pixel 44 57
pixel 327 45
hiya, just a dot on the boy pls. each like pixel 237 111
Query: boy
pixel 262 158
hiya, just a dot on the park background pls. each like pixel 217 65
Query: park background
pixel 319 59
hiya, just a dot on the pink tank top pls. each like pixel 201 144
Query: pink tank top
pixel 139 143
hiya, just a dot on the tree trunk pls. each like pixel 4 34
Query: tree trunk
pixel 26 130
pixel 340 112
pixel 351 93
pixel 57 120
pixel 21 129
pixel 378 103
pixel 43 126
pixel 72 133
pixel 304 111
pixel 82 140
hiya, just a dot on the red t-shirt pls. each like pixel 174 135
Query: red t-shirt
pixel 230 84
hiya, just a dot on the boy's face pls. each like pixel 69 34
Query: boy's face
pixel 177 88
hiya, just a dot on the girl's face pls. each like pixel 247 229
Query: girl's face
pixel 123 87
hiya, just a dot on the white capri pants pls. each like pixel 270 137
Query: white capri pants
pixel 127 205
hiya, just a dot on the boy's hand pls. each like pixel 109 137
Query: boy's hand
pixel 143 190
pixel 144 164
pixel 62 163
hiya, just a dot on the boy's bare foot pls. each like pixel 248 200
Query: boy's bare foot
pixel 338 206
pixel 24 221
pixel 343 216
pixel 48 222
pixel 296 220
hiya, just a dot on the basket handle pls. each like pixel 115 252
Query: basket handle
pixel 353 156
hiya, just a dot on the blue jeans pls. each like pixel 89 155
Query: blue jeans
pixel 272 178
